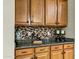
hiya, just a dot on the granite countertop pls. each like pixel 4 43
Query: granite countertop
pixel 68 41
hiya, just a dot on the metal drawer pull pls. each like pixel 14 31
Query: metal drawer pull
pixel 32 58
pixel 56 47
pixel 24 52
pixel 63 52
pixel 68 46
pixel 27 21
pixel 42 49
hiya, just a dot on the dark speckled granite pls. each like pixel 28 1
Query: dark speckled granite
pixel 68 41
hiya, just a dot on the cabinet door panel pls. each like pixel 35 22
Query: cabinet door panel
pixel 37 12
pixel 62 12
pixel 25 57
pixel 51 12
pixel 24 51
pixel 21 11
pixel 44 55
pixel 69 54
pixel 57 54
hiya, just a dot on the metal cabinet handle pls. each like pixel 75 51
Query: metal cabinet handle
pixel 32 58
pixel 31 18
pixel 56 47
pixel 35 57
pixel 68 46
pixel 24 52
pixel 27 21
pixel 63 52
pixel 57 23
pixel 31 21
pixel 41 49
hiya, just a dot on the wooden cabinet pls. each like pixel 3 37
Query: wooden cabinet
pixel 69 51
pixel 56 13
pixel 51 12
pixel 65 51
pixel 29 12
pixel 56 47
pixel 37 12
pixel 42 53
pixel 25 53
pixel 57 54
pixel 62 12
pixel 21 12
pixel 41 12
pixel 25 57
pixel 68 54
pixel 42 49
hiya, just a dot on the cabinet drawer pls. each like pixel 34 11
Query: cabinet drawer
pixel 42 49
pixel 68 46
pixel 56 47
pixel 24 51
pixel 25 57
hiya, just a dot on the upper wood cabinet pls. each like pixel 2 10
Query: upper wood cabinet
pixel 62 12
pixel 41 12
pixel 56 12
pixel 21 11
pixel 51 12
pixel 37 12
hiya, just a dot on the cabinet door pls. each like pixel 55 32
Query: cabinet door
pixel 37 12
pixel 21 11
pixel 69 54
pixel 62 12
pixel 57 54
pixel 25 57
pixel 44 55
pixel 51 12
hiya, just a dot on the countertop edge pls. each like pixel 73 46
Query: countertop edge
pixel 36 46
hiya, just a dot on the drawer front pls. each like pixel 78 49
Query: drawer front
pixel 25 57
pixel 24 51
pixel 42 49
pixel 57 47
pixel 68 46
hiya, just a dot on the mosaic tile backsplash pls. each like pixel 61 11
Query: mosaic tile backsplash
pixel 29 34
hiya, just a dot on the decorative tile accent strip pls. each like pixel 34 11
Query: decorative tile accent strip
pixel 23 33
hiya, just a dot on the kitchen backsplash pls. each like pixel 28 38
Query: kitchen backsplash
pixel 34 33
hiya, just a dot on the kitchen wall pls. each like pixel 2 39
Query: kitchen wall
pixel 9 45
pixel 70 30
pixel 8 28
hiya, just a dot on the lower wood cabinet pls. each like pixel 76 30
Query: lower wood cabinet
pixel 25 57
pixel 42 52
pixel 69 51
pixel 69 54
pixel 25 53
pixel 49 52
pixel 57 54
pixel 44 55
